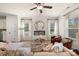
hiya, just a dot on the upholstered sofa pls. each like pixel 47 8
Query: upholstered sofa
pixel 14 49
pixel 38 44
pixel 67 42
pixel 66 52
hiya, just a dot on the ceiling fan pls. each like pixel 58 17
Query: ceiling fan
pixel 40 6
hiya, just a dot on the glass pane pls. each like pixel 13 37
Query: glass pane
pixel 73 23
pixel 1 36
pixel 52 28
pixel 26 27
pixel 72 32
pixel 73 27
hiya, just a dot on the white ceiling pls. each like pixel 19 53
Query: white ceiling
pixel 23 9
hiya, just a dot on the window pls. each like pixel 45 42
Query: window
pixel 26 27
pixel 52 27
pixel 73 27
pixel 2 22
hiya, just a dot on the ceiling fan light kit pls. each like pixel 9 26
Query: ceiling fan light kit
pixel 40 6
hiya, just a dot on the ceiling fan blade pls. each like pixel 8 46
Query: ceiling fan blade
pixel 41 11
pixel 47 7
pixel 33 8
pixel 37 3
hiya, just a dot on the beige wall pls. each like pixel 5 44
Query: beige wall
pixel 12 28
pixel 39 18
pixel 61 26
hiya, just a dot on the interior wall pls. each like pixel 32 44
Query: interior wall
pixel 22 10
pixel 39 17
pixel 76 41
pixel 12 28
pixel 63 26
pixel 44 19
pixel 2 26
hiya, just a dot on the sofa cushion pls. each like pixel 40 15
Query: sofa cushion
pixel 58 47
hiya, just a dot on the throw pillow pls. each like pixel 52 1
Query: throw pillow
pixel 57 47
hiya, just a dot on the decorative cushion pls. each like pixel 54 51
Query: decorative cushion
pixel 3 45
pixel 56 39
pixel 48 47
pixel 5 52
pixel 67 42
pixel 58 47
